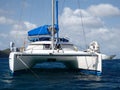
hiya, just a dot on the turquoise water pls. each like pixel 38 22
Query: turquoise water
pixel 60 79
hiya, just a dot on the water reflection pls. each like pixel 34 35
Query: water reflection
pixel 60 78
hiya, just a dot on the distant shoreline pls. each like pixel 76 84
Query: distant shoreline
pixel 4 53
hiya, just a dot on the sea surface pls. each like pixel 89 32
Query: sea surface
pixel 55 77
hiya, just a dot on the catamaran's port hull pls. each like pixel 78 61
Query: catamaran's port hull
pixel 21 61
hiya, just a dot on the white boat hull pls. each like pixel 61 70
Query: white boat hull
pixel 20 61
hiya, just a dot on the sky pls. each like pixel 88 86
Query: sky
pixel 82 21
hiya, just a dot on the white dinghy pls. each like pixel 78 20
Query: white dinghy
pixel 95 47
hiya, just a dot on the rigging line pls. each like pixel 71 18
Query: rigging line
pixel 60 11
pixel 86 60
pixel 31 11
pixel 63 4
pixel 20 18
pixel 19 23
pixel 82 24
pixel 28 67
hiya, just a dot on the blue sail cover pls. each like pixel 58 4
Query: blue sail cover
pixel 42 30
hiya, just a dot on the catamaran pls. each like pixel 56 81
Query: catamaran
pixel 46 46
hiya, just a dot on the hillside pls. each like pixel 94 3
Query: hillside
pixel 4 53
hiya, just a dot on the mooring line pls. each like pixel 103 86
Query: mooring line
pixel 28 67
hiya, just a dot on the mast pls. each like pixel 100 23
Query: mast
pixel 53 21
pixel 57 20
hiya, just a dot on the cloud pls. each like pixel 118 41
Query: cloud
pixel 71 17
pixel 3 35
pixel 16 32
pixel 72 24
pixel 104 10
pixel 29 25
pixel 107 37
pixel 20 30
pixel 5 12
pixel 93 30
pixel 5 20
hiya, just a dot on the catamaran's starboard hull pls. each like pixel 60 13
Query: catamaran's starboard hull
pixel 21 61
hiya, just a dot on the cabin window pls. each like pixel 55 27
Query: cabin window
pixel 67 47
pixel 46 46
